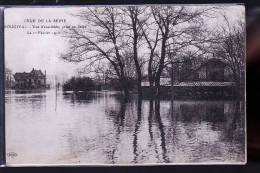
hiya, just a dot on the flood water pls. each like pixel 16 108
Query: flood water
pixel 103 128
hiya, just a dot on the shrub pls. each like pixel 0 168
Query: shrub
pixel 79 84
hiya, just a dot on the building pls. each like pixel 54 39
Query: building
pixel 9 79
pixel 197 79
pixel 32 80
pixel 212 70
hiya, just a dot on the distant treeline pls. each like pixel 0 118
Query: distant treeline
pixel 88 84
pixel 79 84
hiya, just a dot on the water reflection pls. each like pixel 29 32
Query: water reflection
pixel 104 127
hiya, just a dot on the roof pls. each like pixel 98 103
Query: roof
pixel 36 72
pixel 21 75
pixel 25 75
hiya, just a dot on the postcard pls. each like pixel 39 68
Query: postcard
pixel 125 85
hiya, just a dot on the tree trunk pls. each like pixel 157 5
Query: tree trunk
pixel 139 87
pixel 161 66
pixel 124 86
pixel 150 70
pixel 172 80
pixel 157 87
pixel 134 18
pixel 126 92
pixel 150 74
pixel 137 66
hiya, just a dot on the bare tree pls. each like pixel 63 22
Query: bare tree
pixel 101 42
pixel 232 48
pixel 166 30
pixel 179 29
pixel 130 66
pixel 134 21
pixel 151 35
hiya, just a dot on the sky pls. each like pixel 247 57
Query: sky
pixel 24 51
pixel 41 51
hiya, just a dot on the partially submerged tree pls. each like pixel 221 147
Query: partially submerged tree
pixel 127 38
pixel 179 27
pixel 150 34
pixel 79 84
pixel 134 22
pixel 101 42
pixel 232 48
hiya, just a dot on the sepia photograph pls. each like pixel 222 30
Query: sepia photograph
pixel 125 85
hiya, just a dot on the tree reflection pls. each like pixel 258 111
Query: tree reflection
pixel 161 129
pixel 150 118
pixel 233 129
pixel 154 117
pixel 118 119
pixel 173 127
pixel 35 100
pixel 80 97
pixel 136 129
pixel 106 127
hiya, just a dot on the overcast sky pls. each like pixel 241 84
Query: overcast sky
pixel 24 52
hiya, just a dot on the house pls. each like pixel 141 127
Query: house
pixel 212 70
pixel 32 80
pixel 9 79
pixel 195 79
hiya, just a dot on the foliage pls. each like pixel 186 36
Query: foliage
pixel 79 84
